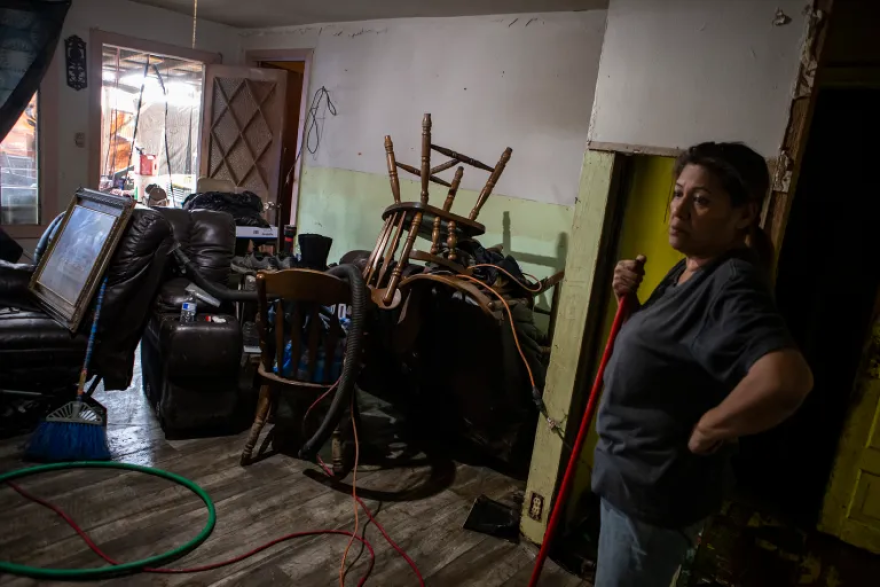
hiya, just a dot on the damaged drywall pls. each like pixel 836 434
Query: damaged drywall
pixel 525 81
pixel 679 72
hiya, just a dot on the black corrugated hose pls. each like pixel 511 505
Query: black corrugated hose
pixel 218 291
pixel 352 363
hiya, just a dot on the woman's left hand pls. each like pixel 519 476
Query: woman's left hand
pixel 701 443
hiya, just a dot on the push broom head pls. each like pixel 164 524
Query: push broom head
pixel 73 432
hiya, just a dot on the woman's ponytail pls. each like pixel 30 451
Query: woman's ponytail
pixel 761 243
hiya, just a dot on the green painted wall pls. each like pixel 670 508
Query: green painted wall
pixel 643 231
pixel 347 206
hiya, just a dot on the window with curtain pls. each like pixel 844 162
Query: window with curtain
pixel 19 170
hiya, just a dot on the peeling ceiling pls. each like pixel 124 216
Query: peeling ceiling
pixel 268 13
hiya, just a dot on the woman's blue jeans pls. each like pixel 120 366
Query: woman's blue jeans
pixel 636 554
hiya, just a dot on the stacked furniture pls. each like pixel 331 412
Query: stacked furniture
pixel 385 271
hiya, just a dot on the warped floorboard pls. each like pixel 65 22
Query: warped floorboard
pixel 421 504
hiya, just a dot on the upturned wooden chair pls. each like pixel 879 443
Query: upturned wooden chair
pixel 299 297
pixel 384 271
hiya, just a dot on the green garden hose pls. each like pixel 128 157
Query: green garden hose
pixel 121 569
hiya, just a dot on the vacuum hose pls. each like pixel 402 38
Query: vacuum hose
pixel 218 291
pixel 351 364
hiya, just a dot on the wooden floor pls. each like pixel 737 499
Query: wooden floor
pixel 422 505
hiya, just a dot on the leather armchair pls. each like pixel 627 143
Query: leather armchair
pixel 38 354
pixel 191 370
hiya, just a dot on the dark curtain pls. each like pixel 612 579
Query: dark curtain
pixel 29 32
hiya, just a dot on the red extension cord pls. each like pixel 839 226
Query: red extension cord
pixel 97 550
pixel 82 534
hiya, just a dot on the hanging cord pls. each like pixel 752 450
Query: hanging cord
pixel 195 21
pixel 312 119
pixel 170 193
pixel 137 117
pixel 112 139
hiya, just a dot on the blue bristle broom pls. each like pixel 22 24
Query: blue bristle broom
pixel 75 431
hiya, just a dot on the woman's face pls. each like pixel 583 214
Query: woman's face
pixel 702 221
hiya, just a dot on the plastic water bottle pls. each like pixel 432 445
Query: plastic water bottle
pixel 188 310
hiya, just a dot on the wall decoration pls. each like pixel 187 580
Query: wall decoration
pixel 75 59
pixel 72 267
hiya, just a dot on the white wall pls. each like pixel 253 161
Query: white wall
pixel 524 81
pixel 677 72
pixel 125 18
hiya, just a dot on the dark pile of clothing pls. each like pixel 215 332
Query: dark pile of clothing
pixel 246 207
pixel 479 255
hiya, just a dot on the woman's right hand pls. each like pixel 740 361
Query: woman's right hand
pixel 628 276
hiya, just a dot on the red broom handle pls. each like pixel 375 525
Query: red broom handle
pixel 568 478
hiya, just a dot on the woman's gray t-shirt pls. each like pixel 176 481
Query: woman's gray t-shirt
pixel 675 358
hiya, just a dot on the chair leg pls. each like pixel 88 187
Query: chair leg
pixel 263 404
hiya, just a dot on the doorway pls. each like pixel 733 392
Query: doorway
pixel 150 123
pixel 137 84
pixel 826 287
pixel 284 205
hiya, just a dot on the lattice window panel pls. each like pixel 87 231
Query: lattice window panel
pixel 241 136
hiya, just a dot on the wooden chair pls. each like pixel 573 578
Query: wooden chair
pixel 303 293
pixel 422 219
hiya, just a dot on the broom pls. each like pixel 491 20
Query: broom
pixel 75 431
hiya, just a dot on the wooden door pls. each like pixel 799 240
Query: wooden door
pixel 852 505
pixel 244 121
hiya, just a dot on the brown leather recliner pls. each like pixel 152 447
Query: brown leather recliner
pixel 38 354
pixel 191 370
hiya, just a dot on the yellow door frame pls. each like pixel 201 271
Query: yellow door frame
pixel 574 320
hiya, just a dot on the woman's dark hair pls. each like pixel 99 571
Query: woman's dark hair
pixel 744 176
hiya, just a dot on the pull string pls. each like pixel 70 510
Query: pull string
pixel 195 14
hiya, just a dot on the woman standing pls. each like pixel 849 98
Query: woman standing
pixel 705 360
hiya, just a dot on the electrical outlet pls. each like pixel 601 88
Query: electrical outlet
pixel 536 506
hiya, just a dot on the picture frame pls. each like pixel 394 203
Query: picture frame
pixel 70 270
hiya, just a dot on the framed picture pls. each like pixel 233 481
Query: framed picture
pixel 71 269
